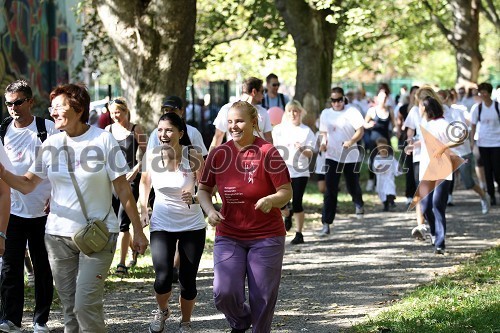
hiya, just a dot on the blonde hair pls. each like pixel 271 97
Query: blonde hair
pixel 250 110
pixel 426 91
pixel 121 105
pixel 294 104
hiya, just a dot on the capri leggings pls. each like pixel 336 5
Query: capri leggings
pixel 298 187
pixel 163 245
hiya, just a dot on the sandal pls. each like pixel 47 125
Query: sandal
pixel 121 269
pixel 133 262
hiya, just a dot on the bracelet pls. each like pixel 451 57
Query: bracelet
pixel 3 235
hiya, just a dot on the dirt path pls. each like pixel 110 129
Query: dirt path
pixel 330 283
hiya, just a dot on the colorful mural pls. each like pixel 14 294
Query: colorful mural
pixel 35 44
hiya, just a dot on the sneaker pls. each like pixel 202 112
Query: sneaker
pixel 8 326
pixel 299 238
pixel 31 279
pixel 158 324
pixel 175 275
pixel 439 250
pixel 369 185
pixel 185 327
pixel 485 204
pixel 419 232
pixel 325 231
pixel 360 212
pixel 433 240
pixel 40 328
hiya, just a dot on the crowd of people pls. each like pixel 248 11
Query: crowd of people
pixel 260 173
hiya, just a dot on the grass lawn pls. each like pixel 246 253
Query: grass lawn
pixel 465 301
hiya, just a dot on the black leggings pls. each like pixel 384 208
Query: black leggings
pixel 191 246
pixel 298 187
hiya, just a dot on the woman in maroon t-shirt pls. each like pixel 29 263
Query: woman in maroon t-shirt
pixel 253 182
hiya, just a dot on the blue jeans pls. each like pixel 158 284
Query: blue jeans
pixel 434 208
pixel 260 262
pixel 332 180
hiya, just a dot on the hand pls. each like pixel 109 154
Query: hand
pixel 346 144
pixel 214 218
pixel 409 149
pixel 322 147
pixel 144 217
pixel 46 209
pixel 438 153
pixel 264 204
pixel 140 242
pixel 130 176
pixel 187 197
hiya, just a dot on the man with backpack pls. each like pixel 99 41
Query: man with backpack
pixel 485 120
pixel 22 134
pixel 272 97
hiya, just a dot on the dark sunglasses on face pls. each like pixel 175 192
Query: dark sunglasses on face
pixel 336 100
pixel 117 101
pixel 19 102
pixel 276 84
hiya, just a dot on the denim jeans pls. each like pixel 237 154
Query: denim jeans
pixel 19 231
pixel 79 282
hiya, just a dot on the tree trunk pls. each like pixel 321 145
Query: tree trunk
pixel 154 41
pixel 314 40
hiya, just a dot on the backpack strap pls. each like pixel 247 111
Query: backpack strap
pixel 480 108
pixel 282 99
pixel 41 129
pixel 3 127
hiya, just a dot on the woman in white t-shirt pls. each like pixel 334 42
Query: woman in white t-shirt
pixel 172 169
pixel 295 142
pixel 436 169
pixel 98 166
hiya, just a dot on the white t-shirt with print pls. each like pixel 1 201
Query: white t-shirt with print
pixel 98 161
pixel 488 127
pixel 340 126
pixel 21 145
pixel 285 136
pixel 220 122
pixel 193 134
pixel 170 212
pixel 457 122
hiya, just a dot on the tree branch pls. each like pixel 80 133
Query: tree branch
pixel 447 33
pixel 491 14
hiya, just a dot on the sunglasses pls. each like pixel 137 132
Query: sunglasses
pixel 117 101
pixel 276 84
pixel 336 100
pixel 19 102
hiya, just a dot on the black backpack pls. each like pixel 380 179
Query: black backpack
pixel 40 127
pixel 281 98
pixel 480 108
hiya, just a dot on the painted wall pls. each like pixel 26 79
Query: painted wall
pixel 38 42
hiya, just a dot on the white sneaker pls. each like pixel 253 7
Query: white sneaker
pixel 360 213
pixel 325 231
pixel 40 328
pixel 419 232
pixel 369 185
pixel 31 279
pixel 485 204
pixel 9 327
pixel 158 324
pixel 185 327
pixel 433 240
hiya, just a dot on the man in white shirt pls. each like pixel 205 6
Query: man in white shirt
pixel 28 215
pixel 341 127
pixel 272 97
pixel 252 92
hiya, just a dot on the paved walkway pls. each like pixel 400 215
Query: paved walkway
pixel 330 283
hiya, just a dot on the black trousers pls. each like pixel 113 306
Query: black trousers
pixel 20 231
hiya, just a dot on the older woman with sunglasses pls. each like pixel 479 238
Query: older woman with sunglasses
pixel 92 159
pixel 132 141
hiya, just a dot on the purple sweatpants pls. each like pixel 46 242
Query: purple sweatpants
pixel 258 260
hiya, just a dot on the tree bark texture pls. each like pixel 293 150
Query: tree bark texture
pixel 314 40
pixel 464 37
pixel 154 40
